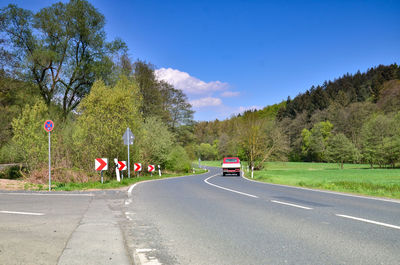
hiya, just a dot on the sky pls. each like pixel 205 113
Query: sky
pixel 229 55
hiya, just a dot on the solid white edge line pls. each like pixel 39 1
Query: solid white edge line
pixel 368 221
pixel 325 191
pixel 291 204
pixel 23 213
pixel 239 192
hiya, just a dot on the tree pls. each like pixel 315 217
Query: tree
pixel 176 107
pixel 178 160
pixel 340 149
pixel 149 88
pixel 154 142
pixel 260 140
pixel 207 151
pixel 30 136
pixel 61 48
pixel 104 116
pixel 373 133
pixel 315 141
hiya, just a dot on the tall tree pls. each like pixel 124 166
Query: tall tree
pixel 149 88
pixel 340 149
pixel 177 109
pixel 61 48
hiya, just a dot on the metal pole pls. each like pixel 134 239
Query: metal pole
pixel 129 162
pixel 49 163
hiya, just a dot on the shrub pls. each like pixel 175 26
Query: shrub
pixel 178 160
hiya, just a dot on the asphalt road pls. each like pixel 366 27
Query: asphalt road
pixel 202 219
pixel 62 228
pixel 210 219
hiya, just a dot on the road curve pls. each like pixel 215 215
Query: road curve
pixel 211 219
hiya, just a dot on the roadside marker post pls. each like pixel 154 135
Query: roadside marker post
pixel 117 169
pixel 48 126
pixel 159 170
pixel 199 162
pixel 128 138
pixel 252 172
pixel 101 164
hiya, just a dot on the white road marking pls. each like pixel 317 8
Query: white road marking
pixel 23 213
pixel 291 204
pixel 239 192
pixel 368 221
pixel 141 250
pixel 326 191
pixel 143 259
pixel 130 189
pixel 46 194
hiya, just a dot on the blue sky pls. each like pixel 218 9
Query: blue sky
pixel 233 55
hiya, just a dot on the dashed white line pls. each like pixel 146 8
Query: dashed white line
pixel 368 221
pixel 23 213
pixel 293 205
pixel 239 192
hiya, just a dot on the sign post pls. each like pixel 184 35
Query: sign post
pixel 128 140
pixel 101 164
pixel 48 126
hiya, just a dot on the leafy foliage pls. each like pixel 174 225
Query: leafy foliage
pixel 104 116
pixel 340 149
pixel 30 136
pixel 178 160
pixel 61 48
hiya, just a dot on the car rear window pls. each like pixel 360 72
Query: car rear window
pixel 231 160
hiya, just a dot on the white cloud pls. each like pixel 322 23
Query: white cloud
pixel 228 94
pixel 206 102
pixel 189 84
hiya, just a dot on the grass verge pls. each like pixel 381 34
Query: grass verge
pixel 114 184
pixel 354 178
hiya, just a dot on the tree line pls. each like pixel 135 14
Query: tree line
pixel 354 118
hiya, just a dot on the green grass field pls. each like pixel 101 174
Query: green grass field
pixel 354 178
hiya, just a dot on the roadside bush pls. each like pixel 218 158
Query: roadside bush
pixel 13 172
pixel 29 135
pixel 178 160
pixel 9 153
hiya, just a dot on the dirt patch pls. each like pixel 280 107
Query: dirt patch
pixel 8 184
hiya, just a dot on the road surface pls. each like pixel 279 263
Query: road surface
pixel 202 219
pixel 210 219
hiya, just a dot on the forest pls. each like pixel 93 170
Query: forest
pixel 56 64
pixel 354 118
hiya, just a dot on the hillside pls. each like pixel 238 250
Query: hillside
pixel 352 107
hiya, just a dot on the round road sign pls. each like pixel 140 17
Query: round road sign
pixel 48 125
